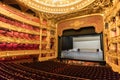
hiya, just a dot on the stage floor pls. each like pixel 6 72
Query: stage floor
pixel 92 56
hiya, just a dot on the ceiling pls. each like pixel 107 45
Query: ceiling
pixel 59 9
pixel 57 6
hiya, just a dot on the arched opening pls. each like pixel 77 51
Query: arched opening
pixel 86 40
pixel 88 32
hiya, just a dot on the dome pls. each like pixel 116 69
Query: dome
pixel 57 6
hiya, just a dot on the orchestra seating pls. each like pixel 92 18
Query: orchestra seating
pixel 53 70
pixel 11 71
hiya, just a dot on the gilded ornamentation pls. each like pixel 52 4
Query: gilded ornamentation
pixel 15 28
pixel 76 23
pixel 17 40
pixel 82 21
pixel 112 36
pixel 57 6
pixel 19 52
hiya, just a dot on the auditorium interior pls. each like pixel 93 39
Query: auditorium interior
pixel 59 40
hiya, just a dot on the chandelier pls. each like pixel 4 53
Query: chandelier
pixel 57 6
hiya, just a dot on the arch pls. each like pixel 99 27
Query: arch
pixel 95 20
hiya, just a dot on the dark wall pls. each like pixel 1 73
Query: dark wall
pixel 64 43
pixel 59 47
pixel 67 43
pixel 81 31
pixel 101 41
pixel 102 44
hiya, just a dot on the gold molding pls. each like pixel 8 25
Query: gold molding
pixel 18 53
pixel 19 29
pixel 17 40
pixel 111 12
pixel 81 17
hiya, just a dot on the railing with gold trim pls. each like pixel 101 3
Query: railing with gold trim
pixel 18 53
pixel 19 29
pixel 16 17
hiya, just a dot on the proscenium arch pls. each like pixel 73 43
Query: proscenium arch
pixel 95 20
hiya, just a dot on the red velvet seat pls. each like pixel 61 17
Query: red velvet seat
pixel 10 33
pixel 9 46
pixel 26 36
pixel 2 32
pixel 16 34
pixel 16 23
pixel 26 26
pixel 22 25
pixel 26 46
pixel 37 29
pixel 21 35
pixel 30 27
pixel 3 19
pixel 22 46
pixel 36 46
pixel 37 37
pixel 3 46
pixel 31 46
pixel 10 21
pixel 15 45
pixel 19 47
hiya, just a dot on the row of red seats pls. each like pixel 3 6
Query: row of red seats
pixel 14 11
pixel 15 34
pixel 88 72
pixel 12 71
pixel 18 24
pixel 18 46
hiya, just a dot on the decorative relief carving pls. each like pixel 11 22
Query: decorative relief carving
pixel 76 23
pixel 95 20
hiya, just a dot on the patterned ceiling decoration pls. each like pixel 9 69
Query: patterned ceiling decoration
pixel 57 6
pixel 29 6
